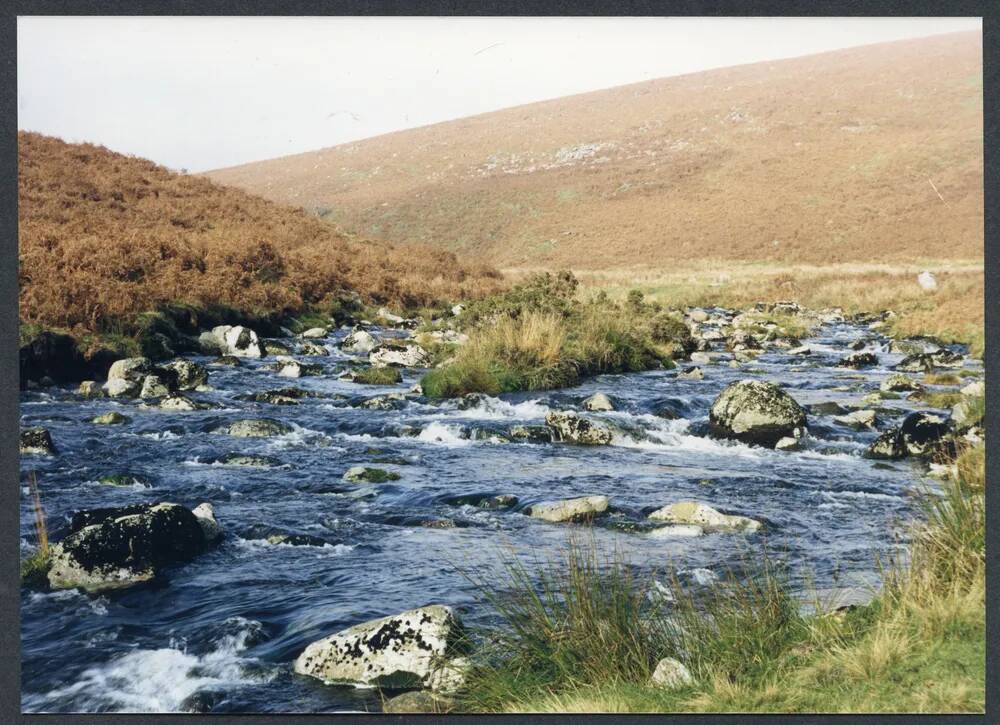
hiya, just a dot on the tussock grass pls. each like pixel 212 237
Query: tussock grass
pixel 377 376
pixel 35 567
pixel 580 635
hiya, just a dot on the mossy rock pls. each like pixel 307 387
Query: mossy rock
pixel 370 475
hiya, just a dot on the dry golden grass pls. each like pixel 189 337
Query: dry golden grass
pixel 104 236
pixel 864 154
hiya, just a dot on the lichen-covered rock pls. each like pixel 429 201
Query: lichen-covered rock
pixel 926 362
pixel 295 540
pixel 899 383
pixel 312 349
pixel 238 341
pixel 676 531
pixel 122 547
pixel 583 508
pixel 700 514
pixel 914 346
pixel 368 474
pixel 568 427
pixel 888 446
pixel 279 396
pixel 858 360
pixel 110 418
pixel 858 419
pixel 531 433
pixel 691 373
pixel 248 460
pixel 315 333
pixel 670 674
pixel 229 361
pixel 598 402
pixel 359 342
pixel 190 375
pixel 206 519
pixel 391 401
pixel 484 501
pixel 742 340
pixel 255 428
pixel 178 402
pixel 154 387
pixel 132 368
pixel 755 411
pixel 90 389
pixel 37 441
pixel 406 355
pixel 289 367
pixel 923 433
pixel 399 651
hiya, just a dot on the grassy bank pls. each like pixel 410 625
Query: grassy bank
pixel 541 335
pixel 953 312
pixel 583 635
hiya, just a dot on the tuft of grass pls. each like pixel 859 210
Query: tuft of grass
pixel 941 379
pixel 938 399
pixel 35 568
pixel 377 376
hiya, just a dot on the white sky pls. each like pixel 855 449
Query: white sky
pixel 202 93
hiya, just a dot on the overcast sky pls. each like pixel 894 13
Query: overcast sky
pixel 203 93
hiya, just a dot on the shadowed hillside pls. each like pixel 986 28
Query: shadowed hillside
pixel 104 236
pixel 867 154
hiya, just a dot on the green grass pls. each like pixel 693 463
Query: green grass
pixel 580 634
pixel 377 376
pixel 35 569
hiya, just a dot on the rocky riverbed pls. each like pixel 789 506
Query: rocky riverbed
pixel 341 502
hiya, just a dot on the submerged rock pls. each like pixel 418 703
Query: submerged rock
pixel 568 427
pixel 755 411
pixel 279 396
pixel 37 441
pixel 391 401
pixel 531 433
pixel 598 402
pixel 296 540
pixel 255 428
pixel 121 547
pixel 228 360
pixel 700 514
pixel 181 403
pixel 483 501
pixel 111 418
pixel 898 383
pixel 859 360
pixel 692 373
pixel 248 460
pixel 312 349
pixel 122 479
pixel 583 508
pixel 368 474
pixel 410 649
pixel 858 419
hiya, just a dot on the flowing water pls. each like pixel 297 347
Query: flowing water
pixel 221 634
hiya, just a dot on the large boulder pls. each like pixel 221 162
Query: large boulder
pixel 190 375
pixel 703 515
pixel 406 355
pixel 899 383
pixel 238 341
pixel 755 411
pixel 404 650
pixel 37 442
pixel 568 427
pixel 583 508
pixel 116 548
pixel 255 428
pixel 923 433
pixel 598 402
pixel 359 342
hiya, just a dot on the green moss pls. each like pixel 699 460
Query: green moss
pixel 35 570
pixel 377 376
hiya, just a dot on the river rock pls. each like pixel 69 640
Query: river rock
pixel 238 341
pixel 404 355
pixel 898 383
pixel 230 361
pixel 418 701
pixel 788 444
pixel 289 367
pixel 670 674
pixel 801 350
pixel 121 388
pixel 190 375
pixel 110 418
pixel 742 340
pixel 676 531
pixel 568 427
pixel 90 389
pixel 314 333
pixel 888 446
pixel 255 428
pixel 279 396
pixel 154 387
pixel 700 514
pixel 531 433
pixel 122 547
pixel 572 509
pixel 368 474
pixel 178 402
pixel 402 650
pixel 37 441
pixel 248 460
pixel 859 360
pixel 276 347
pixel 484 501
pixel 598 402
pixel 692 373
pixel 914 346
pixel 209 526
pixel 295 540
pixel 312 349
pixel 922 433
pixel 755 411
pixel 857 419
pixel 359 342
pixel 390 401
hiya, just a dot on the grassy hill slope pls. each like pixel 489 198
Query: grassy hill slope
pixel 868 154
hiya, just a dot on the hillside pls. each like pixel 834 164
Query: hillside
pixel 866 154
pixel 104 236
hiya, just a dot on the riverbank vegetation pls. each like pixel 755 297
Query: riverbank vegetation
pixel 107 242
pixel 584 635
pixel 541 334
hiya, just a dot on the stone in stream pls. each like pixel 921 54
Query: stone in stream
pixel 416 648
pixel 579 509
pixel 692 373
pixel 406 355
pixel 359 342
pixel 311 348
pixel 568 427
pixel 670 674
pixel 154 387
pixel 315 333
pixel 914 346
pixel 275 347
pixel 531 433
pixel 255 428
pixel 279 396
pixel 190 375
pixel 37 441
pixel 230 361
pixel 90 389
pixel 859 360
pixel 122 547
pixel 787 444
pixel 248 460
pixel 857 419
pixel 702 358
pixel 923 433
pixel 828 407
pixel 368 474
pixel 289 367
pixel 296 540
pixel 238 341
pixel 390 401
pixel 700 514
pixel 676 531
pixel 888 446
pixel 483 501
pixel 122 479
pixel 801 350
pixel 926 362
pixel 181 403
pixel 898 383
pixel 741 341
pixel 598 402
pixel 755 411
pixel 110 418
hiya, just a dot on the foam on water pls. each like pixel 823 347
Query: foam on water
pixel 443 434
